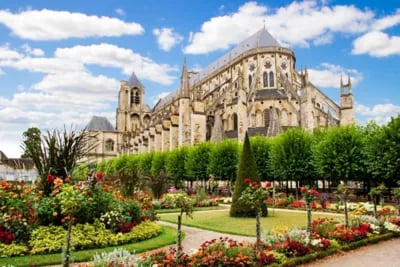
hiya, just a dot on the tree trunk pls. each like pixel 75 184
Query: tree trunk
pixel 258 230
pixel 346 213
pixel 67 252
pixel 179 236
pixel 308 207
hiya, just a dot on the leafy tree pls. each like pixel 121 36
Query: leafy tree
pixel 292 158
pixel 262 146
pixel 158 179
pixel 127 169
pixel 224 160
pixel 197 161
pixel 175 165
pixel 383 153
pixel 31 142
pixel 339 156
pixel 247 170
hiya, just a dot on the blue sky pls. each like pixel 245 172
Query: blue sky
pixel 61 61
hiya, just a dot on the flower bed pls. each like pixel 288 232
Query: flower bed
pixel 168 201
pixel 33 221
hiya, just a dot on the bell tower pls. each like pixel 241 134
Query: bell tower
pixel 346 103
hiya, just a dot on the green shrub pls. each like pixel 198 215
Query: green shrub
pixel 12 250
pixel 48 210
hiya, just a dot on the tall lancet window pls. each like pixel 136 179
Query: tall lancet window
pixel 250 81
pixel 265 79
pixel 137 98
pixel 271 79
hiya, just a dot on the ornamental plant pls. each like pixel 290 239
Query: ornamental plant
pixel 309 196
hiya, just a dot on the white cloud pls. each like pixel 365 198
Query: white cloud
pixel 167 38
pixel 120 11
pixel 386 22
pixel 377 44
pixel 58 25
pixel 381 113
pixel 6 53
pixel 108 55
pixel 159 96
pixel 295 24
pixel 45 65
pixel 32 51
pixel 329 75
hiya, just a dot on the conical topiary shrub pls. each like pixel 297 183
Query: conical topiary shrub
pixel 247 169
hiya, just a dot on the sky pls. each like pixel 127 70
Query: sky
pixel 61 62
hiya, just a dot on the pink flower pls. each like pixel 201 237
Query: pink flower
pixel 303 189
pixel 268 184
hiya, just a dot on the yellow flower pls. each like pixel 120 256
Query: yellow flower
pixel 55 214
pixel 90 199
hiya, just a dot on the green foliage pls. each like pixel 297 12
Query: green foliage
pixel 31 142
pixel 158 180
pixel 12 250
pixel 247 169
pixel 197 161
pixel 50 239
pixel 80 172
pixel 175 165
pixel 262 146
pixel 48 210
pixel 291 155
pixel 339 155
pixel 383 152
pixel 145 163
pixel 223 160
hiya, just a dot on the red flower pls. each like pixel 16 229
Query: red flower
pixel 246 180
pixel 303 189
pixel 99 176
pixel 255 184
pixel 50 178
pixel 268 184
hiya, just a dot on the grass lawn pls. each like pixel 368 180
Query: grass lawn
pixel 161 211
pixel 220 221
pixel 166 238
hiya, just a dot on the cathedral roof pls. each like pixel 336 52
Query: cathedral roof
pixel 134 81
pixel 99 124
pixel 262 38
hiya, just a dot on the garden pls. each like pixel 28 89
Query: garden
pixel 297 194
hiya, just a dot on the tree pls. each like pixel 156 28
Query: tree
pixel 292 158
pixel 339 157
pixel 197 161
pixel 224 160
pixel 247 170
pixel 175 165
pixel 158 179
pixel 383 153
pixel 262 146
pixel 31 141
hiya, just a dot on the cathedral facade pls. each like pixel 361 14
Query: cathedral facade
pixel 255 87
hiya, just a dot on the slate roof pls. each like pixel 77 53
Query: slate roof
pixel 270 94
pixel 134 81
pixel 262 38
pixel 97 123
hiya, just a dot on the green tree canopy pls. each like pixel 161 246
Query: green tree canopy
pixel 31 142
pixel 262 146
pixel 197 161
pixel 175 165
pixel 224 160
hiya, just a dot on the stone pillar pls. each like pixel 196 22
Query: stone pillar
pixel 152 132
pixel 184 122
pixel 165 135
pixel 198 127
pixel 174 133
pixel 158 138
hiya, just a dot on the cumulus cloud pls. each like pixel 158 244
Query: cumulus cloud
pixel 43 65
pixel 377 44
pixel 108 55
pixel 380 113
pixel 59 25
pixel 32 51
pixel 329 75
pixel 167 38
pixel 6 53
pixel 318 23
pixel 386 22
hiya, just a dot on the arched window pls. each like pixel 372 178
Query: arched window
pixel 235 121
pixel 132 97
pixel 265 79
pixel 137 98
pixel 271 79
pixel 267 118
pixel 109 145
pixel 250 80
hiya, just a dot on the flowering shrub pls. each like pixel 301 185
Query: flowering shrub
pixel 292 248
pixel 255 195
pixel 167 258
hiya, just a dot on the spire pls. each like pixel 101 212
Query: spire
pixel 341 81
pixel 134 81
pixel 184 92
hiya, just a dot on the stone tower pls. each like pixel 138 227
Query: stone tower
pixel 132 114
pixel 346 103
pixel 184 136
